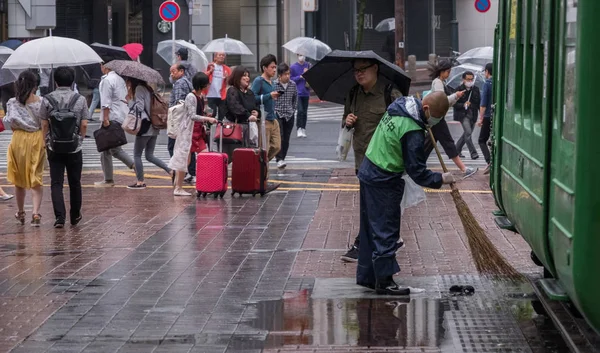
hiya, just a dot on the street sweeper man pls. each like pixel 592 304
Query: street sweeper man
pixel 396 148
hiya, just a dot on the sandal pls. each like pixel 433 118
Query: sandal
pixel 20 216
pixel 36 220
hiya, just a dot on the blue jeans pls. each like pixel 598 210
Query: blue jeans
pixel 146 143
pixel 302 112
pixel 95 102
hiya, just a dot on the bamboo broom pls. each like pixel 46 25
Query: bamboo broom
pixel 488 260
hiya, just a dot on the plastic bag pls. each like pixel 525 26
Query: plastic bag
pixel 344 143
pixel 413 193
pixel 253 133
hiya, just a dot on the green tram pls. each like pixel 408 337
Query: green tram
pixel 546 164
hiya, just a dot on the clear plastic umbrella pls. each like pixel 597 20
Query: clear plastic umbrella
pixel 309 47
pixel 195 55
pixel 477 56
pixel 455 78
pixel 389 24
pixel 7 76
pixel 228 46
pixel 49 52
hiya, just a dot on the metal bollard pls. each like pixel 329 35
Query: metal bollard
pixel 432 59
pixel 412 67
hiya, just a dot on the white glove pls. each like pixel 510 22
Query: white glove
pixel 447 178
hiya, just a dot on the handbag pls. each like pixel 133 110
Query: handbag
pixel 132 122
pixel 109 137
pixel 232 134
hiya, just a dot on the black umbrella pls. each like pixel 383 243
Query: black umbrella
pixel 333 77
pixel 114 53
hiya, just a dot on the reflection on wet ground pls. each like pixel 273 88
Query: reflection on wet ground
pixel 502 321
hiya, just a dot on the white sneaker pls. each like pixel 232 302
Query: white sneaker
pixel 104 184
pixel 304 133
pixel 299 132
pixel 181 192
pixel 6 197
pixel 281 164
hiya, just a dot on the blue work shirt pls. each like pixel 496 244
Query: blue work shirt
pixel 486 98
pixel 262 87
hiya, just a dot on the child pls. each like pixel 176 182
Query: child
pixel 285 108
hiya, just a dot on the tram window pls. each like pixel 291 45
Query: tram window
pixel 570 78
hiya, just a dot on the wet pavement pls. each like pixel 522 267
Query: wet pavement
pixel 147 272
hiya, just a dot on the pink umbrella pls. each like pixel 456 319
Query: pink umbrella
pixel 134 50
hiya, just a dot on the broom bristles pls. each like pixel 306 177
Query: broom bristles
pixel 488 259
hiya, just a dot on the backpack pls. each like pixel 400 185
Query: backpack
pixel 387 94
pixel 176 113
pixel 64 125
pixel 159 111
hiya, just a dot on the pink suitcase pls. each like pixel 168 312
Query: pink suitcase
pixel 211 173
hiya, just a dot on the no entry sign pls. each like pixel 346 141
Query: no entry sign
pixel 169 11
pixel 483 5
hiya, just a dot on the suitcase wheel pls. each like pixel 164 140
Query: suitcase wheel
pixel 216 196
pixel 262 194
pixel 204 194
pixel 222 194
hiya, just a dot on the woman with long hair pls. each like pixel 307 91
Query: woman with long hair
pixel 26 152
pixel 183 145
pixel 440 73
pixel 140 101
pixel 241 103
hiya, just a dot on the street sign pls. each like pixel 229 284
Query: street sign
pixel 310 5
pixel 169 11
pixel 483 5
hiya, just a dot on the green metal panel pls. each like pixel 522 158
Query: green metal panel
pixel 522 137
pixel 586 261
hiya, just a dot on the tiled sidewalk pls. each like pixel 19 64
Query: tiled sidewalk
pixel 147 272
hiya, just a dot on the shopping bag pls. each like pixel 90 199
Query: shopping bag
pixel 344 143
pixel 253 133
pixel 413 193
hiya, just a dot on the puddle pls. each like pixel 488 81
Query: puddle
pixel 448 323
pixel 300 320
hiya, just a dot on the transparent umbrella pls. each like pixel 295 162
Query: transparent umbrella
pixel 477 56
pixel 227 45
pixel 7 76
pixel 309 47
pixel 195 55
pixel 389 24
pixel 49 52
pixel 455 78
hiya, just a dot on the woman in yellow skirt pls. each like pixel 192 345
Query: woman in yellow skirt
pixel 26 152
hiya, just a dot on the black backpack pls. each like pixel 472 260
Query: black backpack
pixel 64 125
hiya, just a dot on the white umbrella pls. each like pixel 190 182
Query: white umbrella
pixel 227 45
pixel 49 52
pixel 309 47
pixel 195 56
pixel 455 78
pixel 7 76
pixel 389 24
pixel 477 56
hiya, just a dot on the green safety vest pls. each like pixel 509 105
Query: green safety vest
pixel 385 149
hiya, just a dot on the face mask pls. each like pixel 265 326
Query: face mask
pixel 301 58
pixel 431 121
pixel 469 84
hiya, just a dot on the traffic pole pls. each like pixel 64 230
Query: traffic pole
pixel 399 13
pixel 173 40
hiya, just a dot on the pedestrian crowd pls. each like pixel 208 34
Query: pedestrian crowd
pixel 50 123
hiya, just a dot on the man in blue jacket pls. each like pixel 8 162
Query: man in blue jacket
pixel 397 147
pixel 264 91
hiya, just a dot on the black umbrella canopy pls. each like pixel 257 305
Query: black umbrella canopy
pixel 333 77
pixel 110 51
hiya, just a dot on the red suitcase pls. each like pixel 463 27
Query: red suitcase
pixel 249 171
pixel 211 173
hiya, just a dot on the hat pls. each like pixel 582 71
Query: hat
pixel 183 52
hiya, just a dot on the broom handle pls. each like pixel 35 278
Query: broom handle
pixel 437 150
